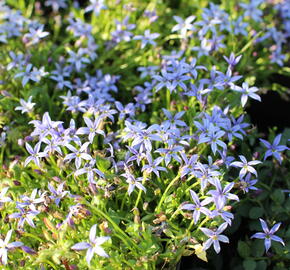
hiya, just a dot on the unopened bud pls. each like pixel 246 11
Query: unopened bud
pixel 135 211
pixel 16 183
pixel 145 206
pixel 28 139
pixel 256 155
pixel 20 142
pixel 104 226
pixel 157 191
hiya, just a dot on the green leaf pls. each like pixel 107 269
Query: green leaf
pixel 278 196
pixel 243 209
pixel 103 164
pixel 257 248
pixel 287 234
pixel 261 265
pixel 254 225
pixel 249 265
pixel 17 172
pixel 235 225
pixel 277 209
pixel 287 204
pixel 264 195
pixel 243 249
pixel 256 212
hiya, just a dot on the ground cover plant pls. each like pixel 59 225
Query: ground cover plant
pixel 125 142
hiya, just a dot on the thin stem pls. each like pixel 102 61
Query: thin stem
pixel 2 155
pixel 140 191
pixel 123 201
pixel 174 214
pixel 165 192
pixel 200 225
pixel 168 94
pixel 190 225
pixel 121 234
pixel 192 186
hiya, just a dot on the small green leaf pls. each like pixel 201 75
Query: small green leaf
pixel 17 172
pixel 257 248
pixel 243 209
pixel 243 249
pixel 249 265
pixel 103 164
pixel 287 204
pixel 278 196
pixel 261 265
pixel 287 234
pixel 256 212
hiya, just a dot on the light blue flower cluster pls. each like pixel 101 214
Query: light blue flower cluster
pixel 186 141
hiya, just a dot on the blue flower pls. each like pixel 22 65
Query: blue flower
pixel 93 128
pixel 246 166
pixel 58 193
pixel 147 38
pixel 32 200
pixel 204 48
pixel 213 137
pixel 35 34
pixel 205 174
pixel 136 155
pixel 35 155
pixel 221 195
pixel 247 184
pixel 197 207
pixel 152 165
pixel 172 78
pixel 18 60
pixel 78 155
pixel 45 127
pixel 132 181
pixel 252 10
pixel 174 120
pixel 246 92
pixel 239 26
pixel 189 164
pixel 122 32
pixel 208 23
pixel 171 152
pixel 28 74
pixel 226 216
pixel 274 148
pixel 56 4
pixel 183 25
pixel 142 138
pixel 96 6
pixel 124 110
pixel 233 60
pixel 25 215
pixel 77 59
pixel 94 246
pixel 90 171
pixel 192 68
pixel 3 198
pixel 215 237
pixel 5 246
pixel 268 235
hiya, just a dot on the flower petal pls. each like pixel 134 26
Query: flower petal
pixel 93 233
pixel 81 246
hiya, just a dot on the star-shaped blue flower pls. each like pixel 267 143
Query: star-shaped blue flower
pixel 268 235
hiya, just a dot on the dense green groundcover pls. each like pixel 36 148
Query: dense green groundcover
pixel 124 137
